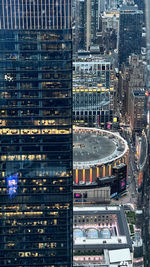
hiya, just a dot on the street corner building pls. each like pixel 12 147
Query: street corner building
pixel 35 133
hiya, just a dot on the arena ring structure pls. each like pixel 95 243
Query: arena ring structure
pixel 95 153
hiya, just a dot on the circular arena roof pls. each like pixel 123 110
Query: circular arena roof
pixel 94 146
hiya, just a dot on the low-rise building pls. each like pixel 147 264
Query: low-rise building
pixel 99 232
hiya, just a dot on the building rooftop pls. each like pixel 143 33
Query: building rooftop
pixel 119 255
pixel 140 92
pixel 95 146
pixel 96 209
pixel 114 236
pixel 130 9
pixel 110 14
pixel 86 56
pixel 103 241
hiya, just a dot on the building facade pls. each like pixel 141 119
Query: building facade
pixel 138 111
pixel 36 133
pixel 97 160
pixel 93 91
pixel 130 32
pixel 107 5
pixel 78 26
pixel 141 6
pixel 92 22
pixel 109 22
pixel 81 25
pixel 131 78
pixel 97 229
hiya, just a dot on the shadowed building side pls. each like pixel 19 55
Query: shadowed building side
pixel 36 133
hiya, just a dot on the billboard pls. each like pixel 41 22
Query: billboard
pixel 12 183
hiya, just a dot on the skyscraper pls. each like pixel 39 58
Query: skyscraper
pixel 92 22
pixel 141 6
pixel 130 32
pixel 36 133
pixel 81 25
pixel 107 5
pixel 78 25
pixel 85 24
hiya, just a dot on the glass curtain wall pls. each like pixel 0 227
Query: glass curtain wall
pixel 35 133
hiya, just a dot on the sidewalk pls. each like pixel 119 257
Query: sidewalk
pixel 128 199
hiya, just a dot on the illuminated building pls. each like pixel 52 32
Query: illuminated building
pixel 131 78
pixel 138 110
pixel 36 133
pixel 120 172
pixel 130 32
pixel 91 195
pixel 93 90
pixel 97 229
pixel 106 150
pixel 136 81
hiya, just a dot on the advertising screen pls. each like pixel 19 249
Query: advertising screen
pixel 77 195
pixel 123 184
pixel 12 182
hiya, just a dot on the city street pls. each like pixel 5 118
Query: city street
pixel 146 223
pixel 132 192
pixel 133 195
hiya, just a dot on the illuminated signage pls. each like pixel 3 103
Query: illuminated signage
pixel 114 119
pixel 12 182
pixel 123 183
pixel 77 195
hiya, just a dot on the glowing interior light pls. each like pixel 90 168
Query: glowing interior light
pixel 12 182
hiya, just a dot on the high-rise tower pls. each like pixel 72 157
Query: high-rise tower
pixel 130 32
pixel 92 22
pixel 81 25
pixel 141 6
pixel 36 133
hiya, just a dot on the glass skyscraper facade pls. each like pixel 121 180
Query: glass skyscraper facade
pixel 130 33
pixel 35 133
pixel 94 21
